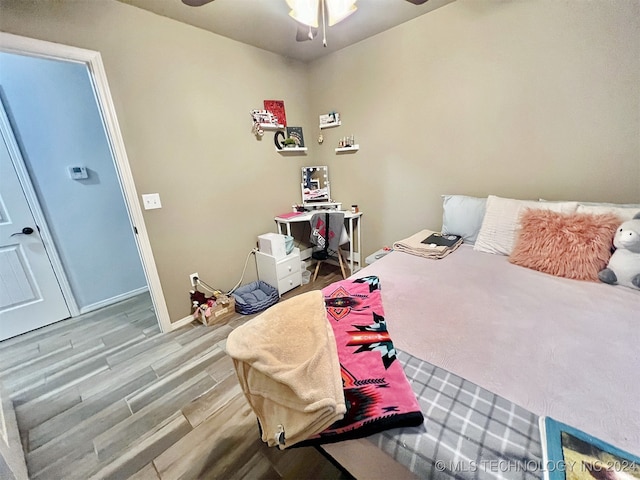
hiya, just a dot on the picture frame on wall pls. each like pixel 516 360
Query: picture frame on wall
pixel 296 132
pixel 331 119
pixel 276 107
pixel 265 119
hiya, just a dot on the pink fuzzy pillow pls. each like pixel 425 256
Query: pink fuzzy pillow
pixel 571 245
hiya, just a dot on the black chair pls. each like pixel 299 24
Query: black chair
pixel 327 234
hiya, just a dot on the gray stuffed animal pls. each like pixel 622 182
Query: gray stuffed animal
pixel 624 264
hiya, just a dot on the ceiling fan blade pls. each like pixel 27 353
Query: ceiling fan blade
pixel 196 3
pixel 415 2
pixel 305 33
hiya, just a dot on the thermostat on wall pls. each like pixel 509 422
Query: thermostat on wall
pixel 78 173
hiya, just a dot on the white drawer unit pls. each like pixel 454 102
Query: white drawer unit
pixel 282 273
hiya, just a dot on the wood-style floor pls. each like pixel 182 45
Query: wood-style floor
pixel 106 395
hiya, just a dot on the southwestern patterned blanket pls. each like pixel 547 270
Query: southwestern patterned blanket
pixel 377 393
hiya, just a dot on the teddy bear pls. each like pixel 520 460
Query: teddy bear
pixel 624 264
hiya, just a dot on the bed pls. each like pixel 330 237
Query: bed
pixel 502 330
pixel 543 344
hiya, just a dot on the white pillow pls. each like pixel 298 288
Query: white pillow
pixel 502 222
pixel 601 204
pixel 462 215
pixel 624 213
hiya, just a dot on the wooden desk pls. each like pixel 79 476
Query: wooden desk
pixel 352 224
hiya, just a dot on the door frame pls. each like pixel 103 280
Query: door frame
pixel 39 48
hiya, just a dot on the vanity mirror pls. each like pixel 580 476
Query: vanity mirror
pixel 315 185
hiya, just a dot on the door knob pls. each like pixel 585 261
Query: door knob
pixel 25 231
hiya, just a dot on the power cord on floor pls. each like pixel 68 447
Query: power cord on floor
pixel 204 285
pixel 252 252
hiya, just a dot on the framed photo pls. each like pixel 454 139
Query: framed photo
pixel 331 119
pixel 264 118
pixel 570 453
pixel 276 107
pixel 296 132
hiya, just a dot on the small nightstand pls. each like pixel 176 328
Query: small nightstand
pixel 282 273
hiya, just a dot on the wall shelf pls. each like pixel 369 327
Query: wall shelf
pixel 330 125
pixel 292 150
pixel 353 148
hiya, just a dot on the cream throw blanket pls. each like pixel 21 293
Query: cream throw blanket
pixel 414 246
pixel 286 360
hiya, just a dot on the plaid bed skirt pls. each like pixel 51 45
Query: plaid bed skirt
pixel 468 432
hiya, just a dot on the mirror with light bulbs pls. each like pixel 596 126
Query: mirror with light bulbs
pixel 315 185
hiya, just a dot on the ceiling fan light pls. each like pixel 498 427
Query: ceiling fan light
pixel 304 11
pixel 339 10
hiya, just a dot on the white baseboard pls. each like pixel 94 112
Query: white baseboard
pixel 112 300
pixel 182 322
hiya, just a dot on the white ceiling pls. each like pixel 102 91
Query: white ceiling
pixel 266 23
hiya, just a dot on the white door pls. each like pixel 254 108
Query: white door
pixel 30 296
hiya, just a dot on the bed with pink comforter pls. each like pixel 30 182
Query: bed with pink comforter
pixel 558 347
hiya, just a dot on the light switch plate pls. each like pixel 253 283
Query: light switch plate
pixel 151 201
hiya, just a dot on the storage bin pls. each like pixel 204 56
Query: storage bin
pixel 220 312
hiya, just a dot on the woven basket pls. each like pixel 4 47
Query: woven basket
pixel 255 297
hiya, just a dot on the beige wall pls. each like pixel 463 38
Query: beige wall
pixel 522 99
pixel 183 98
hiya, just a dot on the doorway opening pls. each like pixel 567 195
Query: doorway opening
pixel 92 62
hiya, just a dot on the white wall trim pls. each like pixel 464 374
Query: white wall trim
pixel 10 445
pixel 182 322
pixel 39 48
pixel 112 300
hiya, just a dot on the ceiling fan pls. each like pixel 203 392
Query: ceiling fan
pixel 199 3
pixel 196 3
pixel 310 14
